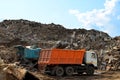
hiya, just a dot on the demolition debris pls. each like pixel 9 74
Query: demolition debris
pixel 46 36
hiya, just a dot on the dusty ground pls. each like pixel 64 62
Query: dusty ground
pixel 111 75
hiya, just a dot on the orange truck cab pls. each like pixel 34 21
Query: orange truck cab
pixel 61 61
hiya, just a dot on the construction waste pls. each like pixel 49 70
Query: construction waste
pixel 8 54
pixel 14 72
pixel 24 32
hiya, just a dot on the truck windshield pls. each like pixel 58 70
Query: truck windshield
pixel 93 55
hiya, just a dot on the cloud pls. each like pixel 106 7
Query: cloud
pixel 98 18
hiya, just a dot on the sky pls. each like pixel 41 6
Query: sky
pixel 102 15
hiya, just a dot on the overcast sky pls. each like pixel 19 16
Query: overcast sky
pixel 103 15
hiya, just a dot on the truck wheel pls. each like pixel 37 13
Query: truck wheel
pixel 90 70
pixel 53 71
pixel 59 71
pixel 69 71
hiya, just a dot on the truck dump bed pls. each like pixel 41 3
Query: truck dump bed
pixel 61 56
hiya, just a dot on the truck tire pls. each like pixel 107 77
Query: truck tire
pixel 90 70
pixel 80 72
pixel 52 73
pixel 69 71
pixel 53 70
pixel 59 71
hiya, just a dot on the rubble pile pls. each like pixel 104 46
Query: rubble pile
pixel 8 54
pixel 30 31
pixel 90 39
pixel 112 56
pixel 24 32
pixel 14 72
pixel 47 35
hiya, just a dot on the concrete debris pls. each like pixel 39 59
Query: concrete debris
pixel 13 72
pixel 8 54
pixel 111 56
pixel 61 44
pixel 24 32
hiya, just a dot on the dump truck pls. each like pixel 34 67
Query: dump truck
pixel 61 62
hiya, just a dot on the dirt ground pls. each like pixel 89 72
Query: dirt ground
pixel 110 75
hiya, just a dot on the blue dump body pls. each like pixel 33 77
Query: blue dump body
pixel 28 53
pixel 31 53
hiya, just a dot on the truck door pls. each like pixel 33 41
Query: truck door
pixel 91 58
